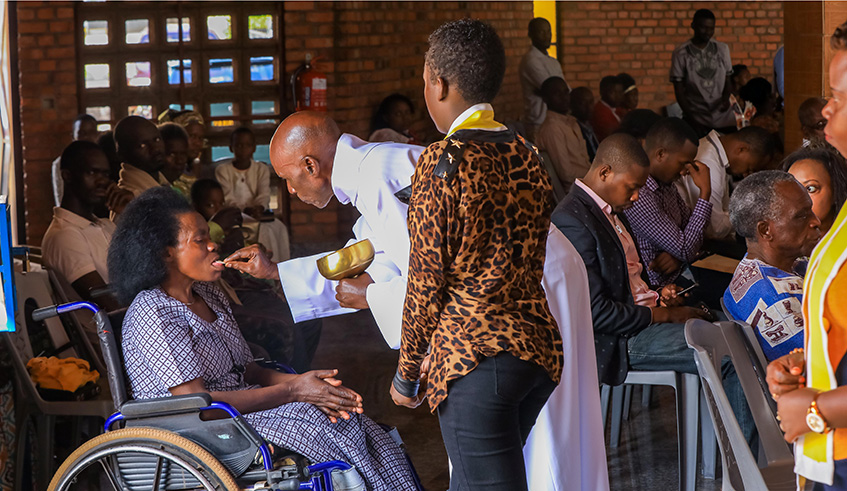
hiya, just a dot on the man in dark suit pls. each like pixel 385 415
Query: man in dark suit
pixel 634 327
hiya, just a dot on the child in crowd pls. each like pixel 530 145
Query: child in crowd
pixel 392 119
pixel 176 158
pixel 246 185
pixel 207 197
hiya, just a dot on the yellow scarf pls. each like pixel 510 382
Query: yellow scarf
pixel 478 120
pixel 813 452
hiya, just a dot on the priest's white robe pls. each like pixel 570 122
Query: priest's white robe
pixel 566 447
pixel 366 175
pixel 565 450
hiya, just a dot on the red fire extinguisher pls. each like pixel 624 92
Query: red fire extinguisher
pixel 309 87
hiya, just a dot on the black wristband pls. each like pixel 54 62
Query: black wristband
pixel 406 388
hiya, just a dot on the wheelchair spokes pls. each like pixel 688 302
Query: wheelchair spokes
pixel 142 459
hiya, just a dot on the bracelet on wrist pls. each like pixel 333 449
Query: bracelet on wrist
pixel 406 388
pixel 796 350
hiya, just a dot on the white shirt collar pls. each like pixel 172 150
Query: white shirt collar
pixel 600 202
pixel 72 218
pixel 715 137
pixel 534 50
pixel 484 106
pixel 349 155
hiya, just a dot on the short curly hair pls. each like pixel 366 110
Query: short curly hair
pixel 201 188
pixel 468 54
pixel 145 229
pixel 838 41
pixel 756 200
pixel 703 14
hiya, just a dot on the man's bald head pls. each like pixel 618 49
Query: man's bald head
pixel 305 133
pixel 302 152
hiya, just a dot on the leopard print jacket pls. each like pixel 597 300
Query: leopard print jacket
pixel 478 226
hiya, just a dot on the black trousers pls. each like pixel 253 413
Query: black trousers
pixel 486 420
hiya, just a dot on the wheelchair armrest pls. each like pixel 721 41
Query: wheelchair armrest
pixel 102 291
pixel 166 405
pixel 275 365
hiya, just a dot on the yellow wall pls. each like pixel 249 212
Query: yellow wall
pixel 547 10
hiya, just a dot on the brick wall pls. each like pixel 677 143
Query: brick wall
pixel 368 50
pixel 48 101
pixel 371 49
pixel 606 38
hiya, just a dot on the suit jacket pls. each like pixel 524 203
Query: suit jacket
pixel 614 313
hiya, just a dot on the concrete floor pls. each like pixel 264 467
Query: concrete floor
pixel 647 455
pixel 646 458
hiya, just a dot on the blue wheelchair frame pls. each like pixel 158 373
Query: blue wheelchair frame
pixel 318 475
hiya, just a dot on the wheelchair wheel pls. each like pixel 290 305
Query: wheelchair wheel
pixel 142 459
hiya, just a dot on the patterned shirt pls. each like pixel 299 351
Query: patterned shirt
pixel 476 261
pixel 770 300
pixel 703 73
pixel 165 344
pixel 662 222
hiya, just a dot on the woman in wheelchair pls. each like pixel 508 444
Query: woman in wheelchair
pixel 179 337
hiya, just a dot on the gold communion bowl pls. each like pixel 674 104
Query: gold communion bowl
pixel 350 261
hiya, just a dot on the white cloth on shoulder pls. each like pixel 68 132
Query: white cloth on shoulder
pixel 566 447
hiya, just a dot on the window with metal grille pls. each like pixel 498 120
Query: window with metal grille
pixel 221 59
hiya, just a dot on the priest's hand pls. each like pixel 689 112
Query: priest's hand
pixel 254 261
pixel 351 293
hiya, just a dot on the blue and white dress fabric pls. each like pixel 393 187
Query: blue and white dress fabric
pixel 165 344
pixel 770 300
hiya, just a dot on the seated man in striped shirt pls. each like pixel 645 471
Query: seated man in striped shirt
pixel 668 233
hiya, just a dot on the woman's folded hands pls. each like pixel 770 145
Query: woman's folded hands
pixel 321 388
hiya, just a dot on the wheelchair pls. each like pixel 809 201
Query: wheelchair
pixel 166 444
